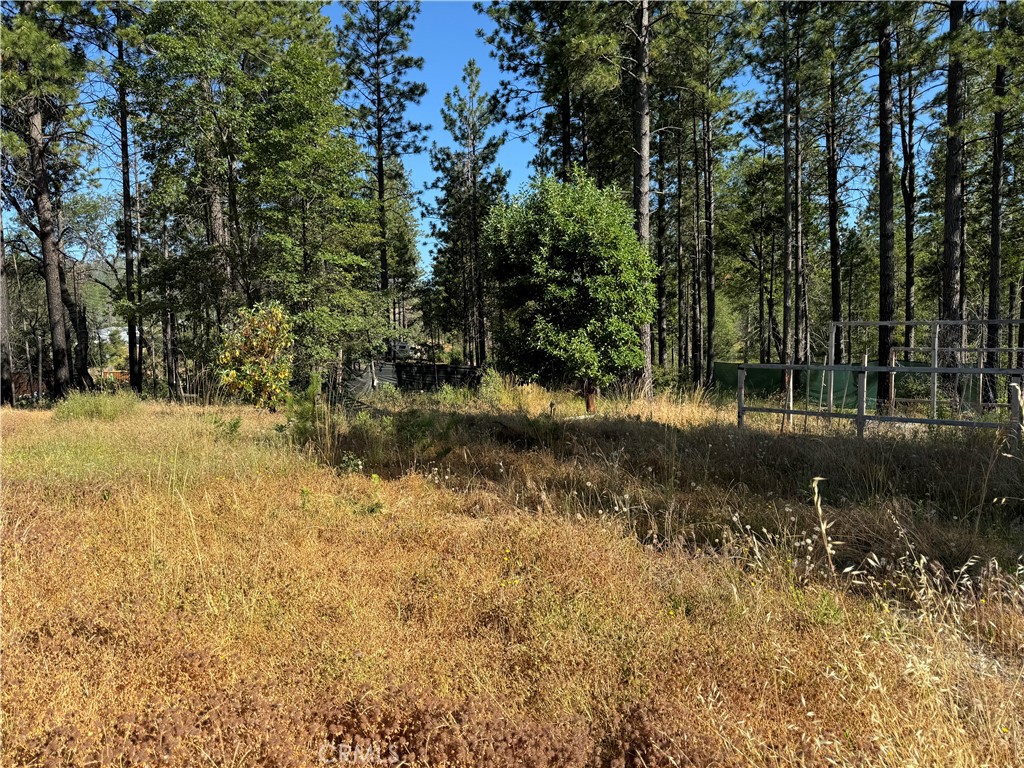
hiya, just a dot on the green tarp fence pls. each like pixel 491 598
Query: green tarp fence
pixel 758 383
pixel 813 385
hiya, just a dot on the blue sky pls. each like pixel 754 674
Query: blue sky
pixel 445 36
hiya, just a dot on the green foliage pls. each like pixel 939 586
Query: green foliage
pixel 103 407
pixel 254 86
pixel 469 183
pixel 256 358
pixel 303 416
pixel 573 283
pixel 226 428
pixel 499 392
pixel 385 395
pixel 452 398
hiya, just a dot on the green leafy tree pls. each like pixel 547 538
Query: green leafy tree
pixel 256 355
pixel 573 283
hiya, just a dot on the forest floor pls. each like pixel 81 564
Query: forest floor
pixel 489 581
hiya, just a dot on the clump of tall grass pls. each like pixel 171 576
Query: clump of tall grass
pixel 100 406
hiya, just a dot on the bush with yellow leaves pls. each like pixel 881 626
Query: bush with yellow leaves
pixel 256 355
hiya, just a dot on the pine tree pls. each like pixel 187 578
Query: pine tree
pixel 469 185
pixel 44 69
pixel 373 45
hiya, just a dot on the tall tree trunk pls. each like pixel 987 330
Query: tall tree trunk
pixel 79 326
pixel 682 326
pixel 908 186
pixel 382 212
pixel 773 323
pixel 51 253
pixel 6 358
pixel 834 247
pixel 481 323
pixel 995 245
pixel 659 245
pixel 217 234
pixel 887 232
pixel 242 281
pixel 962 310
pixel 787 226
pixel 642 159
pixel 953 205
pixel 709 246
pixel 763 342
pixel 134 360
pixel 799 269
pixel 696 332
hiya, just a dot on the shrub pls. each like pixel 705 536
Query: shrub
pixel 303 416
pixel 102 406
pixel 385 395
pixel 573 283
pixel 498 392
pixel 255 358
pixel 453 397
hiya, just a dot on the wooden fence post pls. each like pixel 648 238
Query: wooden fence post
pixel 862 401
pixel 741 376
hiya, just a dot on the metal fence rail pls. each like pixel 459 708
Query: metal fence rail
pixel 862 417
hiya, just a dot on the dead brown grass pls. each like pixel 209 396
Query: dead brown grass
pixel 178 591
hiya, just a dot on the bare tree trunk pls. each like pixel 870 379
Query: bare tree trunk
pixel 908 186
pixel 80 328
pixel 696 332
pixel 659 246
pixel 709 247
pixel 995 246
pixel 51 253
pixel 481 323
pixel 642 160
pixel 682 328
pixel 6 358
pixel 787 227
pixel 953 207
pixel 887 232
pixel 834 247
pixel 134 362
pixel 382 212
pixel 799 269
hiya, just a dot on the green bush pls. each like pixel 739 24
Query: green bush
pixel 453 397
pixel 385 395
pixel 256 358
pixel 499 392
pixel 303 414
pixel 101 406
pixel 572 283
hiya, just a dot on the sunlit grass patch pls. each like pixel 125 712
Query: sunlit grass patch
pixel 99 406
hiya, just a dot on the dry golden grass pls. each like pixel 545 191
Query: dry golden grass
pixel 181 588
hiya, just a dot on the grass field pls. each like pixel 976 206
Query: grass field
pixel 487 581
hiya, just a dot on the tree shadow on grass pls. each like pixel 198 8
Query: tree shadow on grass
pixel 952 495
